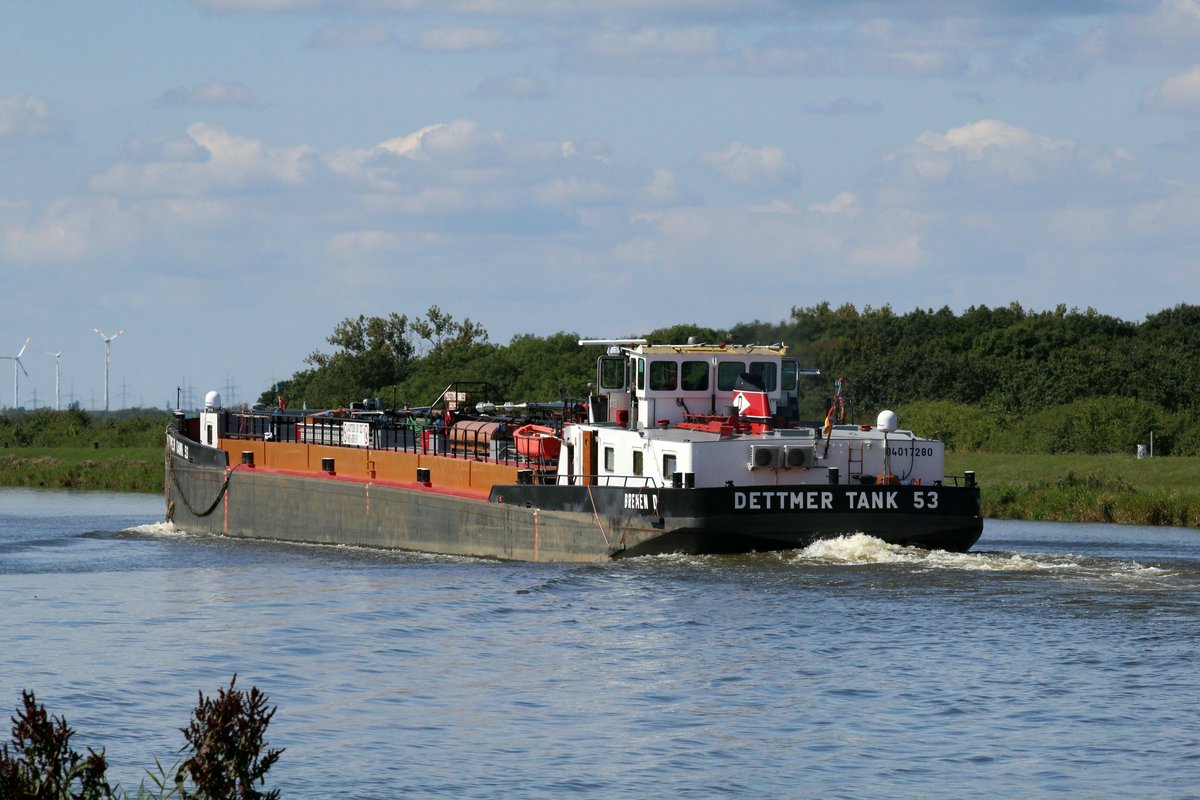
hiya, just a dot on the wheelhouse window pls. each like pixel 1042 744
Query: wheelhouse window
pixel 612 373
pixel 727 374
pixel 694 376
pixel 664 376
pixel 641 374
pixel 767 372
pixel 790 370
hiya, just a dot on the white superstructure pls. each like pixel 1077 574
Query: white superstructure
pixel 716 415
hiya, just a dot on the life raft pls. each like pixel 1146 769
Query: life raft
pixel 537 442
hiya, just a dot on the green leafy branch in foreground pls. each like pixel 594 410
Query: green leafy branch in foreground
pixel 226 755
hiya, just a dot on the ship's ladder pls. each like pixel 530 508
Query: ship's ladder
pixel 854 455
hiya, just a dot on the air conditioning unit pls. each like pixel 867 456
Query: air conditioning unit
pixel 763 456
pixel 798 457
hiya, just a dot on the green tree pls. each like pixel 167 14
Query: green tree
pixel 371 352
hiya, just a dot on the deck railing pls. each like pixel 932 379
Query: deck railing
pixel 487 440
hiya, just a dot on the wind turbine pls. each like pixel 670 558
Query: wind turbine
pixel 107 339
pixel 57 378
pixel 17 363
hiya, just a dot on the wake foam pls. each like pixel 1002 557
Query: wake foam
pixel 859 548
pixel 157 529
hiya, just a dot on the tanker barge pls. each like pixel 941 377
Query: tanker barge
pixel 692 448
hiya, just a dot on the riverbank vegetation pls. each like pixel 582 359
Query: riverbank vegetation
pixel 119 469
pixel 224 756
pixel 118 452
pixel 75 428
pixel 1027 399
pixel 1085 488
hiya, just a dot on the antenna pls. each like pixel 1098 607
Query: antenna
pixel 17 363
pixel 107 339
pixel 57 378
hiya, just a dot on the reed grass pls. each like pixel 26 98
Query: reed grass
pixel 123 469
pixel 1086 488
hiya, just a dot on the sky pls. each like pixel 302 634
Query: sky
pixel 226 180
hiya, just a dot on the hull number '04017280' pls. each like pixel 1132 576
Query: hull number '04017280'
pixel 825 500
pixel 905 451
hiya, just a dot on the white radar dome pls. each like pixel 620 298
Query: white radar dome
pixel 887 422
pixel 212 400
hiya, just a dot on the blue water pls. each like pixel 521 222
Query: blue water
pixel 1054 660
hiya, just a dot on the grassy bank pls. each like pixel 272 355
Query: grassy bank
pixel 118 469
pixel 1064 488
pixel 1086 488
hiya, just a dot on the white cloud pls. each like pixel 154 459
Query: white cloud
pixel 355 245
pixel 262 5
pixel 571 192
pixel 69 230
pixel 1163 32
pixel 650 49
pixel 917 48
pixel 1178 94
pixel 988 147
pixel 896 256
pixel 214 93
pixel 780 245
pixel 673 42
pixel 220 162
pixel 550 10
pixel 777 206
pixel 662 188
pixel 461 138
pixel 746 164
pixel 843 106
pixel 345 36
pixel 512 86
pixel 843 203
pixel 26 117
pixel 463 163
pixel 458 39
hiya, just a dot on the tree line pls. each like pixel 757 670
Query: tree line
pixel 1008 378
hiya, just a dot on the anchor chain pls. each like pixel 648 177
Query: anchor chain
pixel 183 497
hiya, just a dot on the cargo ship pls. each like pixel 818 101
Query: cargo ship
pixel 694 448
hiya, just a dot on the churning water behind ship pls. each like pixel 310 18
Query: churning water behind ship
pixel 1055 659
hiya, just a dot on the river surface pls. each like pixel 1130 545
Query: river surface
pixel 1053 660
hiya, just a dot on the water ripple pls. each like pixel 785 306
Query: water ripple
pixel 1050 661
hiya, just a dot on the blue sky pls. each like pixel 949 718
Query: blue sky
pixel 225 180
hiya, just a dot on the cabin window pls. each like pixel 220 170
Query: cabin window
pixel 790 369
pixel 637 462
pixel 641 374
pixel 664 376
pixel 694 376
pixel 209 431
pixel 612 373
pixel 610 460
pixel 669 468
pixel 767 372
pixel 727 374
